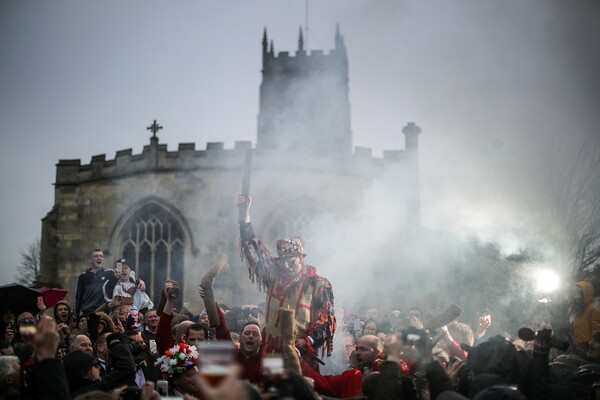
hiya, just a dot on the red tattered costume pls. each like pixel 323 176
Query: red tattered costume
pixel 308 294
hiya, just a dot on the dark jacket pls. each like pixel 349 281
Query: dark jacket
pixel 122 373
pixel 49 381
pixel 89 294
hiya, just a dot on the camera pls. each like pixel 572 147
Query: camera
pixel 527 335
pixel 419 337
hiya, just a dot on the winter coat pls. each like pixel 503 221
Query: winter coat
pixel 586 323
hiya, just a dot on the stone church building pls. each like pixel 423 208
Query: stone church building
pixel 171 213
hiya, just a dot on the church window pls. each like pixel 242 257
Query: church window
pixel 153 242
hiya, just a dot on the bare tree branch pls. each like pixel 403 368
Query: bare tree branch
pixel 568 210
pixel 29 269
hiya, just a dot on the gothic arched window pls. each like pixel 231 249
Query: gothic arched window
pixel 153 241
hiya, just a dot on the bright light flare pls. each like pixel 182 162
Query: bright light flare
pixel 546 281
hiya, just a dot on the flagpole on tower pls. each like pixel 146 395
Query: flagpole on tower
pixel 306 24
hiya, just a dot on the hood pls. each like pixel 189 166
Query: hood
pixel 588 292
pixel 66 303
pixel 110 325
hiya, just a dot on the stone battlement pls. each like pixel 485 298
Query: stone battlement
pixel 156 157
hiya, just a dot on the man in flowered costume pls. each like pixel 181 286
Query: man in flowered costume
pixel 289 283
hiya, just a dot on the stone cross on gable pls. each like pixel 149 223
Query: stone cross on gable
pixel 154 128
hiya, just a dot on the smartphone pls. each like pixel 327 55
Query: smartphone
pixel 119 267
pixel 40 299
pixel 272 365
pixel 162 387
pixel 357 325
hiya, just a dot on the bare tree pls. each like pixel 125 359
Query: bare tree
pixel 568 207
pixel 29 269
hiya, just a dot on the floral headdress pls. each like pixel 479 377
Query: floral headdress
pixel 290 247
pixel 177 360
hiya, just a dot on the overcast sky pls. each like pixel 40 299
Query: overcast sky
pixel 81 78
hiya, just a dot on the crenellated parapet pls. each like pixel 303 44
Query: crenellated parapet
pixel 156 157
pixel 153 157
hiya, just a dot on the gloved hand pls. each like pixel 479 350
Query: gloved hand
pixel 542 341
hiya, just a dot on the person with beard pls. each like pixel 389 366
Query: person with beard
pixel 349 383
pixel 290 283
pixel 584 316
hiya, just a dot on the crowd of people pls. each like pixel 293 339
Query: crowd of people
pixel 114 343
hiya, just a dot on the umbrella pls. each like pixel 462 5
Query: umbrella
pixel 53 295
pixel 18 298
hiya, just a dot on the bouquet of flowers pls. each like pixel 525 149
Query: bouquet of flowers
pixel 177 360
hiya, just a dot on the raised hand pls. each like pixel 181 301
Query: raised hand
pixel 46 339
pixel 244 203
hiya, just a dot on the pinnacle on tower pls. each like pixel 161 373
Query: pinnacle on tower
pixel 300 40
pixel 265 44
pixel 339 39
pixel 411 132
pixel 265 40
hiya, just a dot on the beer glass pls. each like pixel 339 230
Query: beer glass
pixel 215 359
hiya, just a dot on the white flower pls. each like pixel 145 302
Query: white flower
pixel 173 362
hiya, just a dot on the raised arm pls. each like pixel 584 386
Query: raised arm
pixel 257 257
pixel 164 337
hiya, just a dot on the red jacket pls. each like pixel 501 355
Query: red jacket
pixel 164 337
pixel 347 384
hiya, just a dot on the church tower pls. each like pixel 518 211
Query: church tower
pixel 304 105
